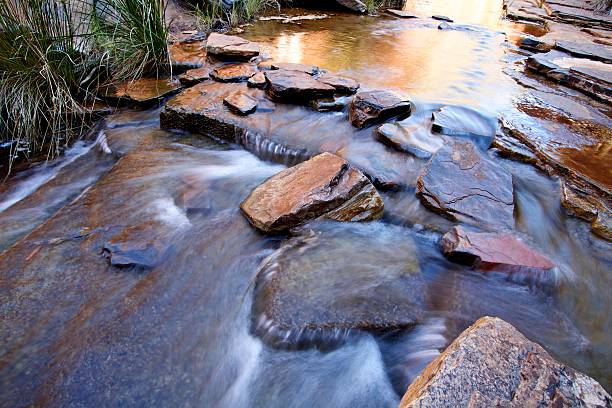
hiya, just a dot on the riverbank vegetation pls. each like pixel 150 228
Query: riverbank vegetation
pixel 219 14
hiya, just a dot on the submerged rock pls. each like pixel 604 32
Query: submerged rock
pixel 330 104
pixel 231 47
pixel 534 44
pixel 257 81
pixel 296 87
pixel 461 183
pixel 463 122
pixel 376 106
pixel 326 183
pixel 138 246
pixel 493 364
pixel 194 76
pixel 580 201
pixel 290 66
pixel 410 138
pixel 234 72
pixel 303 298
pixel 143 91
pixel 499 251
pixel 442 18
pixel 241 103
pixel 342 85
pixel 401 13
pixel 187 55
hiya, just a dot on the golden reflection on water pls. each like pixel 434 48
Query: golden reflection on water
pixel 483 12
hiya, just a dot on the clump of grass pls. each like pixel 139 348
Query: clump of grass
pixel 133 35
pixel 43 70
pixel 214 14
pixel 373 6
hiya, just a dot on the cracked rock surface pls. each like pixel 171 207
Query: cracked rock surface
pixel 462 183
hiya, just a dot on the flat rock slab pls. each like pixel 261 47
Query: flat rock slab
pixel 241 103
pixel 233 72
pixel 442 18
pixel 231 47
pixel 326 183
pixel 493 364
pixel 296 87
pixel 143 91
pixel 415 139
pixel 195 76
pixel 592 51
pixel 302 296
pixel 342 85
pixel 589 76
pixel 401 13
pixel 502 252
pixel 187 55
pixel 462 183
pixel 290 66
pixel 257 81
pixel 376 106
pixel 464 122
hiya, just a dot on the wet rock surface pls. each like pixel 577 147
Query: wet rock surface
pixel 303 298
pixel 355 5
pixel 241 103
pixel 309 190
pixel 586 50
pixel 187 55
pixel 462 122
pixel 462 183
pixel 401 13
pixel 376 106
pixel 493 364
pixel 296 87
pixel 140 246
pixel 257 81
pixel 233 72
pixel 290 66
pixel 493 251
pixel 341 84
pixel 231 47
pixel 195 76
pixel 143 91
pixel 410 138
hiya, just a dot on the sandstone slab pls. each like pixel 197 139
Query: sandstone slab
pixel 233 72
pixel 138 246
pixel 376 106
pixel 458 121
pixel 303 297
pixel 257 81
pixel 401 13
pixel 291 66
pixel 296 87
pixel 194 76
pixel 143 91
pixel 584 49
pixel 493 364
pixel 342 85
pixel 410 138
pixel 310 190
pixel 493 251
pixel 187 55
pixel 231 47
pixel 462 183
pixel 241 103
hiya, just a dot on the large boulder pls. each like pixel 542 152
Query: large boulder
pixel 462 183
pixel 493 251
pixel 491 364
pixel 375 106
pixel 231 47
pixel 323 185
pixel 296 87
pixel 333 277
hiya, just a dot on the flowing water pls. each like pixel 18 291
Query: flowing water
pixel 76 331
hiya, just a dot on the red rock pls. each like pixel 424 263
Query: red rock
pixel 241 103
pixel 494 250
pixel 257 81
pixel 325 184
pixel 231 47
pixel 195 76
pixel 234 72
pixel 296 87
pixel 143 91
pixel 290 66
pixel 376 106
pixel 187 55
pixel 342 84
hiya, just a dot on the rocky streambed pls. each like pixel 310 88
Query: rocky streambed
pixel 295 220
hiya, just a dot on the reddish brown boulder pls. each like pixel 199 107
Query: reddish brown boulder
pixel 499 251
pixel 241 103
pixel 491 364
pixel 342 84
pixel 257 81
pixel 376 106
pixel 325 184
pixel 194 76
pixel 234 72
pixel 296 87
pixel 231 47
